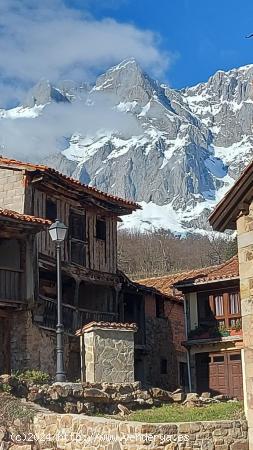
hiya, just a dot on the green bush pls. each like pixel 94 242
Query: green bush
pixel 5 387
pixel 33 376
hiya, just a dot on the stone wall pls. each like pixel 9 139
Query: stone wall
pixel 78 432
pixel 109 353
pixel 160 346
pixel 33 347
pixel 245 253
pixel 13 190
pixel 165 334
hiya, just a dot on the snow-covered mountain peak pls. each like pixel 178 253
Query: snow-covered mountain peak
pixel 186 150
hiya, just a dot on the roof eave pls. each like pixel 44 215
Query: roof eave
pixel 202 283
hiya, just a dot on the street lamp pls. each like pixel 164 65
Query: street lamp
pixel 58 233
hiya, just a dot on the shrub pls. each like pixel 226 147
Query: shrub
pixel 33 376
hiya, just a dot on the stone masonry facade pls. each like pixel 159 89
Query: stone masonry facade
pixel 33 347
pixel 109 354
pixel 13 190
pixel 245 253
pixel 165 334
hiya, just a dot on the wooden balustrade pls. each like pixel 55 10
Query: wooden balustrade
pixel 73 318
pixel 11 285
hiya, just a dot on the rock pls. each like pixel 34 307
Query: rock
pixel 124 411
pixel 161 394
pixel 70 408
pixel 95 395
pixel 178 397
pixel 205 395
pixel 192 396
pixel 221 397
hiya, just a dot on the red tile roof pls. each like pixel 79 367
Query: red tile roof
pixel 167 284
pixel 23 217
pixel 92 190
pixel 227 270
pixel 108 325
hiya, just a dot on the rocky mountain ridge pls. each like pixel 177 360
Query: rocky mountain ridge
pixel 186 148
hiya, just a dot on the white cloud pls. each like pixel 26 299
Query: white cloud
pixel 49 40
pixel 35 138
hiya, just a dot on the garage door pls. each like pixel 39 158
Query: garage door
pixel 220 373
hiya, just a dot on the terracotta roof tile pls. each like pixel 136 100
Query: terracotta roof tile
pixel 107 325
pixel 23 217
pixel 96 192
pixel 167 284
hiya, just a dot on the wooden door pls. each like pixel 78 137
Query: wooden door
pixel 235 375
pixel 4 343
pixel 220 373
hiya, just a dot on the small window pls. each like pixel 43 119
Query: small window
pixel 159 307
pixel 101 229
pixel 77 226
pixel 51 209
pixel 218 359
pixel 164 366
pixel 234 303
pixel 236 357
pixel 219 307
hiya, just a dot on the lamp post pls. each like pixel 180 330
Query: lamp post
pixel 58 233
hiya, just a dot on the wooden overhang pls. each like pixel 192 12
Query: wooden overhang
pixel 235 202
pixel 13 223
pixel 50 179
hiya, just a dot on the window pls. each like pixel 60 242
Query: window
pixel 219 306
pixel 51 209
pixel 235 357
pixel 77 238
pixel 218 359
pixel 101 229
pixel 77 226
pixel 159 307
pixel 234 303
pixel 163 366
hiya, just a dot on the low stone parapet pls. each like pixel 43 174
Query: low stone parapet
pixel 79 432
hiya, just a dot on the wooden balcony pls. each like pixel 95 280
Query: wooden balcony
pixel 11 286
pixel 73 318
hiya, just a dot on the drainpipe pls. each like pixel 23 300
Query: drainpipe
pixel 187 349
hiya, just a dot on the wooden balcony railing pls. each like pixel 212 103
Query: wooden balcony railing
pixel 73 318
pixel 11 285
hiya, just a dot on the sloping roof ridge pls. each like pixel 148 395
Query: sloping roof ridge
pixel 52 171
pixel 176 274
pixel 23 217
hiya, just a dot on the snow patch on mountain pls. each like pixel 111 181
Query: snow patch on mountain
pixel 188 148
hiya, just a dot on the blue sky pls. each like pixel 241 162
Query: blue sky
pixel 181 42
pixel 203 36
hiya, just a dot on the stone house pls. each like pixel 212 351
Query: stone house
pixel 166 357
pixel 235 212
pixel 214 334
pixel 31 197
